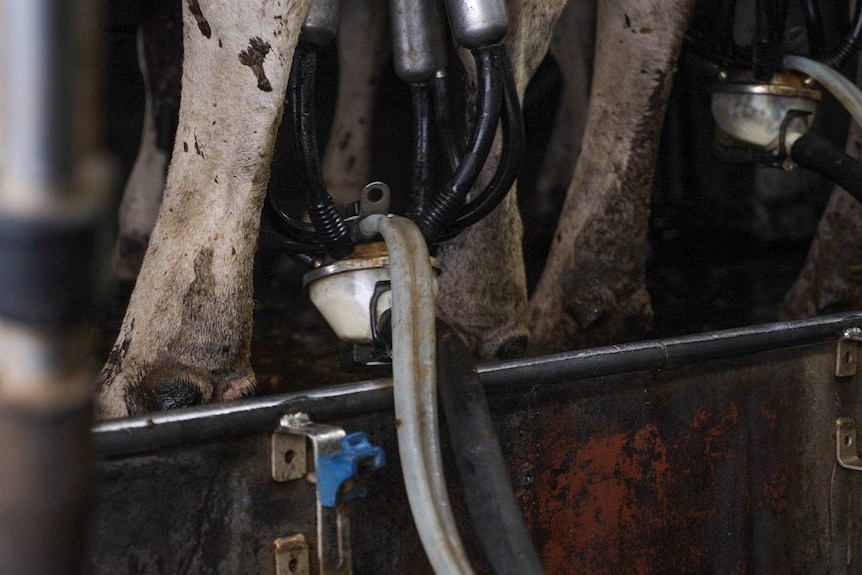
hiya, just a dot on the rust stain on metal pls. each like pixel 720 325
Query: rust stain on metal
pixel 599 495
pixel 775 492
pixel 771 417
pixel 713 435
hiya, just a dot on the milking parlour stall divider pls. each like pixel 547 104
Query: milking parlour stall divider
pixel 713 453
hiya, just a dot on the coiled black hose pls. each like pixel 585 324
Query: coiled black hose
pixel 491 501
pixel 328 226
pixel 851 44
pixel 449 201
pixel 816 153
pixel 507 169
pixel 422 177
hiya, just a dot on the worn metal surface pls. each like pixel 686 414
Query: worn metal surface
pixel 716 466
pixel 720 468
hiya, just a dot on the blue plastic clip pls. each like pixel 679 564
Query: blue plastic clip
pixel 357 457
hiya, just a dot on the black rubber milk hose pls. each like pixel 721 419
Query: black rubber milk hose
pixel 329 228
pixel 446 204
pixel 818 154
pixel 490 499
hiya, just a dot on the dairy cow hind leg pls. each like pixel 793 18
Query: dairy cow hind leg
pixel 483 285
pixel 186 335
pixel 592 291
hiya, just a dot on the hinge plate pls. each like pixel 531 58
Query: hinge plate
pixel 846 363
pixel 845 444
pixel 291 555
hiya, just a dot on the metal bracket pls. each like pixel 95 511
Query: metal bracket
pixel 291 555
pixel 339 461
pixel 845 444
pixel 374 199
pixel 845 359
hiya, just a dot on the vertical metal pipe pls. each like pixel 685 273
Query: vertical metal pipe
pixel 52 187
pixel 36 53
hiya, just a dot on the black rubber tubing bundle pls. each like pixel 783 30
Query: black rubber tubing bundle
pixel 491 501
pixel 327 226
pixel 297 229
pixel 449 201
pixel 818 154
pixel 507 169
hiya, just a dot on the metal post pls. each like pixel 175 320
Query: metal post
pixel 52 186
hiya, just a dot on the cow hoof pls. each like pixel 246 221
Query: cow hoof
pixel 165 390
pixel 513 348
pixel 509 343
pixel 176 393
pixel 174 389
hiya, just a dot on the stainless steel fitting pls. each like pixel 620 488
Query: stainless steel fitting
pixel 321 24
pixel 477 23
pixel 418 48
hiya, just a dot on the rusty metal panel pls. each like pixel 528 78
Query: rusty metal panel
pixel 720 468
pixel 717 466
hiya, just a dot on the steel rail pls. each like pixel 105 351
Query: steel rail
pixel 146 432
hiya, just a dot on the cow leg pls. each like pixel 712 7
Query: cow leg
pixel 592 289
pixel 831 278
pixel 363 47
pixel 186 334
pixel 483 291
pixel 160 48
pixel 573 46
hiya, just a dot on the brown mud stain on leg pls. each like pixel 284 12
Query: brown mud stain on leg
pixel 253 57
pixel 115 358
pixel 200 290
